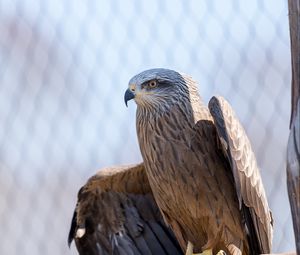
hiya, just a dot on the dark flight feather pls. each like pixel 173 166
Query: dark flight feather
pixel 119 216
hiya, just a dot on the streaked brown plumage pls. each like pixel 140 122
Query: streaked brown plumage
pixel 116 214
pixel 200 166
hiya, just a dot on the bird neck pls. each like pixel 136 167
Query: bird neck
pixel 183 114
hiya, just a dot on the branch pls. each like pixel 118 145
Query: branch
pixel 293 150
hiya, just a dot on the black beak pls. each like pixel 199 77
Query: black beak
pixel 128 96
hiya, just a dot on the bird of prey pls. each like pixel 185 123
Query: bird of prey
pixel 200 166
pixel 116 214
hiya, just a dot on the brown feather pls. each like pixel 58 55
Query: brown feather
pixel 118 214
pixel 200 196
pixel 194 192
pixel 248 181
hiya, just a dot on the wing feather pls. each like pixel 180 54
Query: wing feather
pixel 116 214
pixel 248 182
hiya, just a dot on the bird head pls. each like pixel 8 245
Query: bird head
pixel 158 88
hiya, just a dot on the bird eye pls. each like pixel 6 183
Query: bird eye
pixel 152 84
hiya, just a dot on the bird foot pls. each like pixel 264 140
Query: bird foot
pixel 190 247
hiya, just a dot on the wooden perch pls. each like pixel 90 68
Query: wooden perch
pixel 285 253
pixel 293 150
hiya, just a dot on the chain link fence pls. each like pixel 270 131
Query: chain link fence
pixel 64 67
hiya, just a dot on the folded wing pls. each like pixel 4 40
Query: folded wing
pixel 251 194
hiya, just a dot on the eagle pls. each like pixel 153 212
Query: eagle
pixel 200 166
pixel 198 188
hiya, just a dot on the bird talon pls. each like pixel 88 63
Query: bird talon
pixel 190 247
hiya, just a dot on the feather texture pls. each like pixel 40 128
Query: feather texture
pixel 214 200
pixel 116 214
pixel 246 174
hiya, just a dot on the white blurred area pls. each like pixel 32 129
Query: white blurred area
pixel 64 68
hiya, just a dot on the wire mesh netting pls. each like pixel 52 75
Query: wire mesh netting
pixel 64 67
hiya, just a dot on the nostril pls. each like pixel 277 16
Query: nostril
pixel 132 89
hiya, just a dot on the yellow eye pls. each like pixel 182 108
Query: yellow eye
pixel 152 84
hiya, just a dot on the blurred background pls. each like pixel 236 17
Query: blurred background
pixel 64 68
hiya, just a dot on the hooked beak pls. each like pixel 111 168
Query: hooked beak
pixel 128 96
